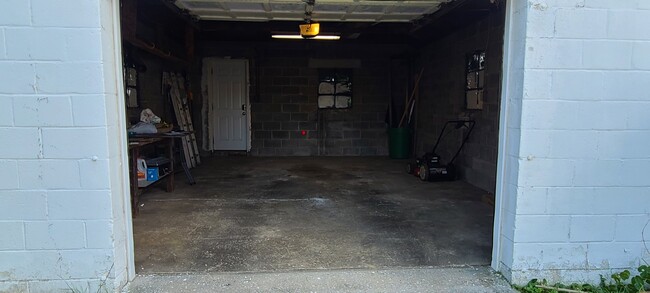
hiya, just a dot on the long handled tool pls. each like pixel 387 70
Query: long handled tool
pixel 407 107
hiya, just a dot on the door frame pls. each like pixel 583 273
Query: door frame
pixel 508 73
pixel 113 76
pixel 209 63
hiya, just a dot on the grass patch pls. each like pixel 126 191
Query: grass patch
pixel 622 282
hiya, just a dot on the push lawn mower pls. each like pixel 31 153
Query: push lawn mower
pixel 429 167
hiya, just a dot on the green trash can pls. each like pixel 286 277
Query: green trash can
pixel 399 143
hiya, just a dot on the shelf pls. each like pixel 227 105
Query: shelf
pixel 145 183
pixel 151 48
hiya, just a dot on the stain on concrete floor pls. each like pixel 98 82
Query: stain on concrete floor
pixel 251 214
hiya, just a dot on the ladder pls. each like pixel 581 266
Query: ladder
pixel 185 110
pixel 179 101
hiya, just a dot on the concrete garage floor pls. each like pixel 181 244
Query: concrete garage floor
pixel 253 214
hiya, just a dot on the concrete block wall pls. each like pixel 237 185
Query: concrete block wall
pixel 442 98
pixel 150 89
pixel 575 189
pixel 287 105
pixel 283 94
pixel 361 130
pixel 61 210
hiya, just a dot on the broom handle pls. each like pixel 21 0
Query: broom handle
pixel 406 107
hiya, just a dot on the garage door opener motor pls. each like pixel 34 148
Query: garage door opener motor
pixel 430 167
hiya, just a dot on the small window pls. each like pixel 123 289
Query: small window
pixel 335 89
pixel 475 80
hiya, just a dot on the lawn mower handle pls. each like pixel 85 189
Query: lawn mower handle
pixel 460 123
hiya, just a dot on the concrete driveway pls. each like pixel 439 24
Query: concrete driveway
pixel 458 279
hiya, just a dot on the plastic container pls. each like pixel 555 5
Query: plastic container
pixel 399 143
pixel 142 169
pixel 152 174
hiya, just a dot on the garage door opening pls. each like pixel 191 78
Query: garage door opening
pixel 273 154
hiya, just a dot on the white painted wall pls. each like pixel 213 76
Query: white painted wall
pixel 63 216
pixel 576 187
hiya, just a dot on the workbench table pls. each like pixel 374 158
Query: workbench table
pixel 137 142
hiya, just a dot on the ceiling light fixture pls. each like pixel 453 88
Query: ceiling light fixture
pixel 299 37
pixel 308 30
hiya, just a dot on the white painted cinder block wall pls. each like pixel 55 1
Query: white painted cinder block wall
pixel 63 217
pixel 576 188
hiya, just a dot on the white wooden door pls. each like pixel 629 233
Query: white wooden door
pixel 229 104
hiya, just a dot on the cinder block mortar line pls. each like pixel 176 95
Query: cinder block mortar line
pixel 51 27
pixel 85 235
pixel 605 70
pixel 54 160
pixel 52 95
pixel 550 99
pixel 48 61
pixel 13 116
pixel 590 39
pixel 47 280
pixel 4 43
pixel 583 186
pixel 633 130
pixel 569 234
pixel 581 242
pixel 47 220
pixel 35 81
pixel 25 233
pixel 31 14
pixel 59 127
pixel 578 70
pixel 68 28
pixel 49 189
pixel 40 143
pixel 56 250
pixel 584 215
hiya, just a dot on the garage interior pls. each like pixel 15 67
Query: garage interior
pixel 291 172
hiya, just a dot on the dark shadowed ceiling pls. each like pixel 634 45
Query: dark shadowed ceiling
pixel 406 22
